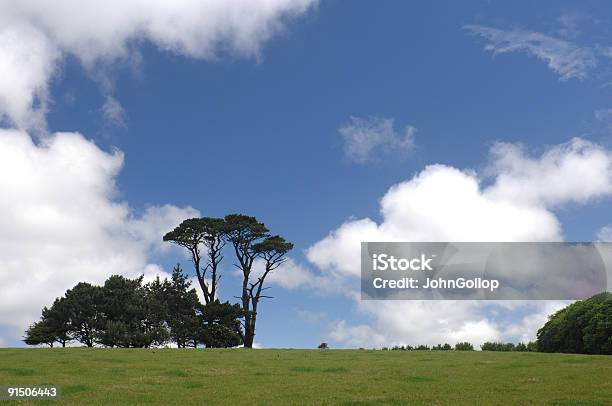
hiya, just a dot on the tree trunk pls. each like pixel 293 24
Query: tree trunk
pixel 249 333
pixel 246 304
pixel 201 281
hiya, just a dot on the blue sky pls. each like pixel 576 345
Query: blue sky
pixel 278 118
pixel 260 134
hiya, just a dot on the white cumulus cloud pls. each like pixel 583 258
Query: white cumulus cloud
pixel 62 223
pixel 446 204
pixel 28 59
pixel 576 171
pixel 605 233
pixel 36 35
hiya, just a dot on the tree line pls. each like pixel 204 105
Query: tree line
pixel 531 346
pixel 463 346
pixel 583 327
pixel 127 313
pixel 467 346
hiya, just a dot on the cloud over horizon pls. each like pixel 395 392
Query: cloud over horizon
pixel 442 203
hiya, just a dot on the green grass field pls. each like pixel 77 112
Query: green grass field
pixel 343 377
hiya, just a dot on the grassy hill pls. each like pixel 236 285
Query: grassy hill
pixel 344 377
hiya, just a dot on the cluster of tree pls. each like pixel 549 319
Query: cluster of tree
pixel 508 347
pixel 464 346
pixel 250 241
pixel 127 313
pixel 584 327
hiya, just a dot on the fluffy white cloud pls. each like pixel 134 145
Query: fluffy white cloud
pixel 291 275
pixel 416 322
pixel 433 322
pixel 605 233
pixel 61 222
pixel 567 59
pixel 439 204
pixel 576 171
pixel 525 329
pixel 361 335
pixel 35 35
pixel 370 139
pixel 445 204
pixel 27 60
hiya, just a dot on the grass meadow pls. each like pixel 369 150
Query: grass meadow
pixel 336 377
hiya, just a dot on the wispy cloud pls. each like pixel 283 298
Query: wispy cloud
pixel 311 317
pixel 369 139
pixel 113 112
pixel 569 24
pixel 604 115
pixel 568 59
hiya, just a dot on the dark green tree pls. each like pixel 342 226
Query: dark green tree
pixel 464 346
pixel 133 314
pixel 122 305
pixel 57 317
pixel 272 251
pixel 40 333
pixel 115 333
pixel 584 327
pixel 243 232
pixel 521 347
pixel 195 233
pixel 85 321
pixel 157 311
pixel 182 310
pixel 497 346
pixel 221 327
pixel 54 325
